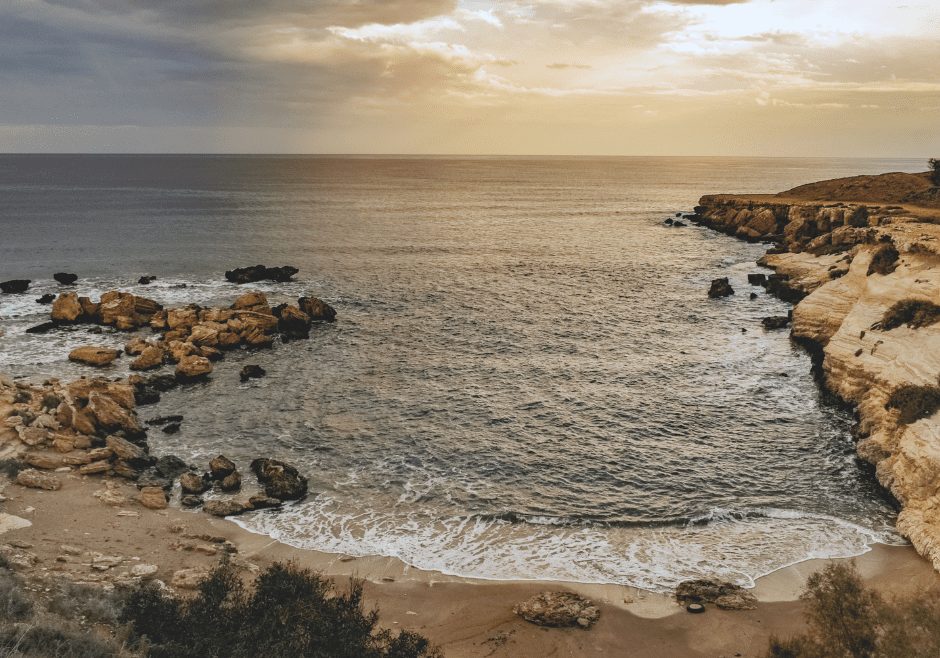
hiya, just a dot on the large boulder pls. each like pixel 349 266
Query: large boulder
pixel 115 305
pixel 261 273
pixel 14 286
pixel 151 357
pixel 221 467
pixel 193 368
pixel 111 416
pixel 65 278
pixel 280 480
pixel 67 308
pixel 94 356
pixel 317 309
pixel 558 609
pixel 292 322
pixel 725 595
pixel 36 480
pixel 249 300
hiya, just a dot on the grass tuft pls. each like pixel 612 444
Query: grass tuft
pixel 915 313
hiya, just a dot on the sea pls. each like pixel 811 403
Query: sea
pixel 525 379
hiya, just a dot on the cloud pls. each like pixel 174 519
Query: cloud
pixel 559 65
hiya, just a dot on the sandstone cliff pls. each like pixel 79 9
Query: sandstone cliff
pixel 854 265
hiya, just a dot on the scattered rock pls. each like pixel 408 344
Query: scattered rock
pixel 558 609
pixel 317 309
pixel 725 595
pixel 42 328
pixel 94 356
pixel 153 497
pixel 221 467
pixel 193 368
pixel 15 286
pixel 46 299
pixel 172 428
pixel 95 467
pixel 189 578
pixel 45 460
pixel 776 322
pixel 231 482
pixel 261 273
pixel 720 288
pixel 146 280
pixel 251 371
pixel 36 480
pixel 151 357
pixel 144 570
pixel 171 466
pixel 190 500
pixel 152 478
pixel 65 278
pixel 261 502
pixel 105 562
pixel 194 483
pixel 282 481
pixel 757 279
pixel 250 300
pixel 163 420
pixel 224 507
pixel 293 323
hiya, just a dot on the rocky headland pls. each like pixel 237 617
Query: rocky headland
pixel 860 259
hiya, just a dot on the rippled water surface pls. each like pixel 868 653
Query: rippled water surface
pixel 526 378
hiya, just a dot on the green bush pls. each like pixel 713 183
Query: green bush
pixel 847 620
pixel 290 613
pixel 884 261
pixel 915 313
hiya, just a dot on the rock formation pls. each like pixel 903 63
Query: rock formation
pixel 15 286
pixel 558 609
pixel 65 278
pixel 725 595
pixel 864 280
pixel 261 273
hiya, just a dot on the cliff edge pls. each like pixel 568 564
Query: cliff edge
pixel 866 280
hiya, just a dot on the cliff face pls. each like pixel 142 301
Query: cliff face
pixel 852 275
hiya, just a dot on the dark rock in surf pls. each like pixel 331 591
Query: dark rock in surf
pixel 171 467
pixel 678 224
pixel 317 309
pixel 46 299
pixel 189 500
pixel 15 286
pixel 261 502
pixel 261 273
pixel 720 288
pixel 172 428
pixel 282 481
pixel 194 483
pixel 65 278
pixel 757 279
pixel 146 280
pixel 221 467
pixel 43 328
pixel 251 372
pixel 776 322
pixel 668 221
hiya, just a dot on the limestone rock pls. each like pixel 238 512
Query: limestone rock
pixel 45 460
pixel 153 497
pixel 151 357
pixel 192 368
pixel 121 307
pixel 135 346
pixel 248 300
pixel 144 570
pixel 316 309
pixel 32 436
pixel 261 502
pixel 558 609
pixel 189 578
pixel 36 480
pixel 194 483
pixel 292 322
pixel 67 308
pixel 94 468
pixel 280 480
pixel 221 467
pixel 94 356
pixel 111 416
pixel 231 482
pixel 110 495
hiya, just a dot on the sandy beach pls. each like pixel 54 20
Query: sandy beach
pixel 69 527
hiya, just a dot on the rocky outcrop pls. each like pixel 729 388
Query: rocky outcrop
pixel 261 273
pixel 15 286
pixel 65 278
pixel 280 480
pixel 850 270
pixel 94 356
pixel 725 595
pixel 720 288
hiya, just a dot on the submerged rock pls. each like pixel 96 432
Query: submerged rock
pixel 720 288
pixel 46 299
pixel 776 322
pixel 250 372
pixel 146 280
pixel 558 609
pixel 282 481
pixel 316 309
pixel 94 356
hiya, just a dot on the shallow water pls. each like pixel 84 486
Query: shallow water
pixel 526 378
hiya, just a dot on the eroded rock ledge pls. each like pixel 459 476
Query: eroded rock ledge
pixel 850 264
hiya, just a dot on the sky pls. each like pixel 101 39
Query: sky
pixel 857 78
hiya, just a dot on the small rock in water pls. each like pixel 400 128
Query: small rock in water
pixel 163 420
pixel 15 286
pixel 172 428
pixel 65 278
pixel 252 372
pixel 46 299
pixel 776 322
pixel 720 288
pixel 145 280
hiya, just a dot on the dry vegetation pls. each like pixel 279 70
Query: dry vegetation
pixel 915 313
pixel 847 620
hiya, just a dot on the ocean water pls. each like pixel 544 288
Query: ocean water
pixel 526 379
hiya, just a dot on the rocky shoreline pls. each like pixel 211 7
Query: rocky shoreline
pixel 865 281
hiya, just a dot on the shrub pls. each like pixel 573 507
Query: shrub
pixel 915 402
pixel 12 467
pixel 72 601
pixel 884 261
pixel 934 164
pixel 848 620
pixel 915 313
pixel 858 218
pixel 290 613
pixel 14 606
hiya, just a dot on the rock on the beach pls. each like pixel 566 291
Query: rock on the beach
pixel 261 273
pixel 151 357
pixel 280 480
pixel 261 502
pixel 112 416
pixel 32 436
pixel 152 478
pixel 194 483
pixel 224 507
pixel 316 309
pixel 189 578
pixel 94 356
pixel 144 570
pixel 192 368
pixel 221 467
pixel 231 482
pixel 153 497
pixel 14 286
pixel 251 372
pixel 720 288
pixel 65 278
pixel 725 595
pixel 171 466
pixel 558 609
pixel 190 500
pixel 45 460
pixel 36 480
